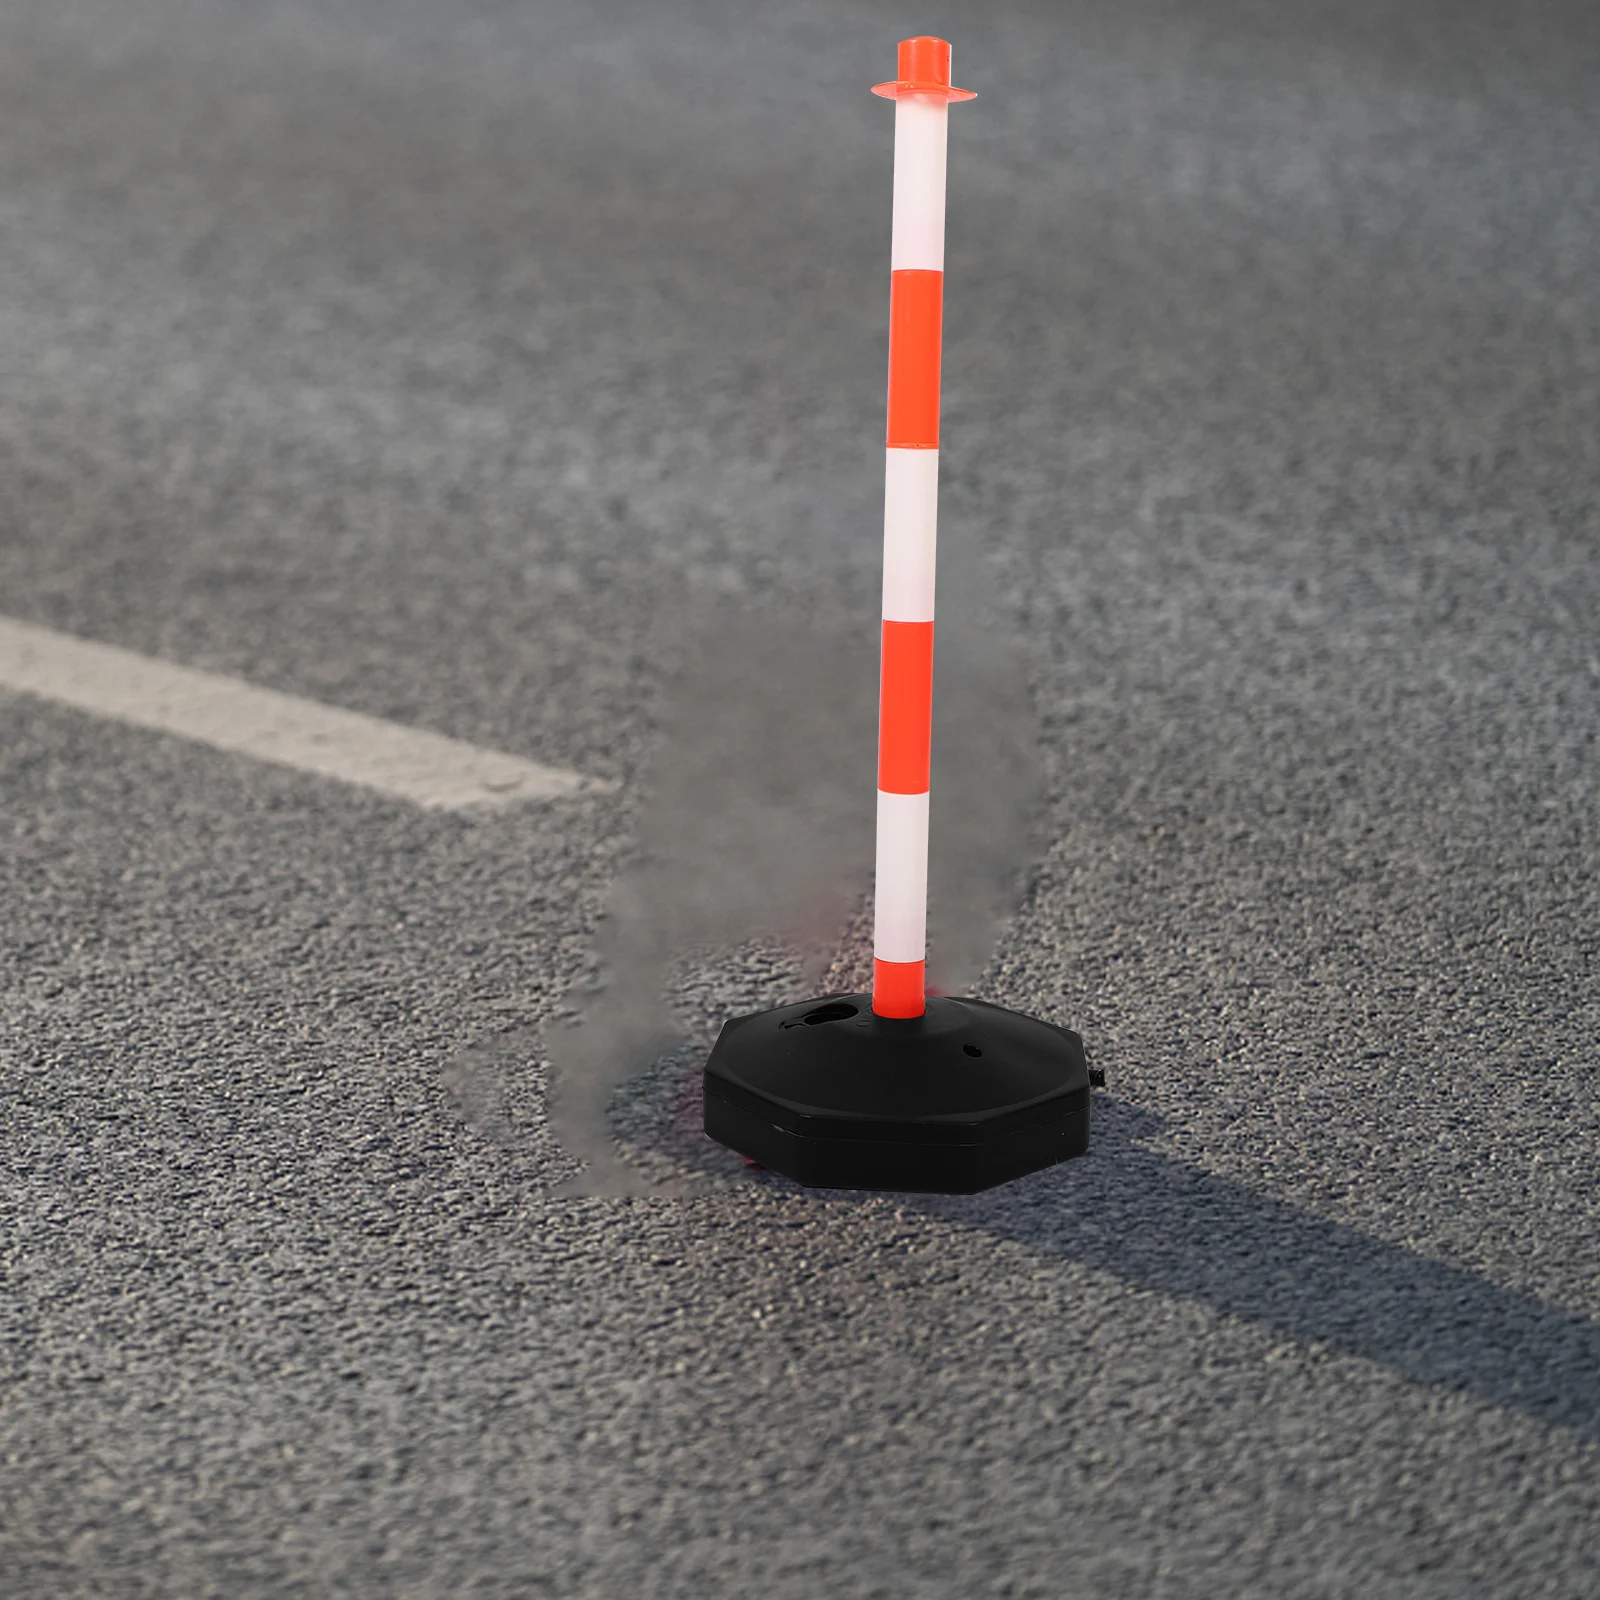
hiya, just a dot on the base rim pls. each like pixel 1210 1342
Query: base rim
pixel 969 1096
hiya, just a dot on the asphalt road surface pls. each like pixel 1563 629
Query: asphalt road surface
pixel 460 363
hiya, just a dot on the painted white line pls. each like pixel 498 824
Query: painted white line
pixel 427 769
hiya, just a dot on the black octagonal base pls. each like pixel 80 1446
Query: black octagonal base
pixel 965 1096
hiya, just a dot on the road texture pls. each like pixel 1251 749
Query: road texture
pixel 454 361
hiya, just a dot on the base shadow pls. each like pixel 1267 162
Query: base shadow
pixel 1162 1225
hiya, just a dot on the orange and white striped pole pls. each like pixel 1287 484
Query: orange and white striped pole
pixel 922 94
pixel 926 1092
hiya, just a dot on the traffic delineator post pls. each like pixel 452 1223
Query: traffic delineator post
pixel 895 1089
pixel 922 93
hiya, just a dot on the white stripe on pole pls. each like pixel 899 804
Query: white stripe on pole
pixel 910 534
pixel 900 897
pixel 921 123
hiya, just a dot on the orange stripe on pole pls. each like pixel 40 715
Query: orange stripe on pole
pixel 916 315
pixel 897 988
pixel 905 707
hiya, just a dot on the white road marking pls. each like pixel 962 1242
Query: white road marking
pixel 428 769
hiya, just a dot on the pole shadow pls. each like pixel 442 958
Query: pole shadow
pixel 1162 1225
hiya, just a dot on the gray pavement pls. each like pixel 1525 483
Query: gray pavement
pixel 470 365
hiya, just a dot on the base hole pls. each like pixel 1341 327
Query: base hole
pixel 837 1012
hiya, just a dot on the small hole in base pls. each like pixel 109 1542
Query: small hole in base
pixel 972 1050
pixel 837 1012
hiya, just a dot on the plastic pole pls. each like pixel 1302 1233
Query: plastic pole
pixel 922 96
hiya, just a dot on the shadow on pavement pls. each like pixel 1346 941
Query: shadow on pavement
pixel 1162 1225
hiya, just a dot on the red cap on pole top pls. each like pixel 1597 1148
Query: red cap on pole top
pixel 924 69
